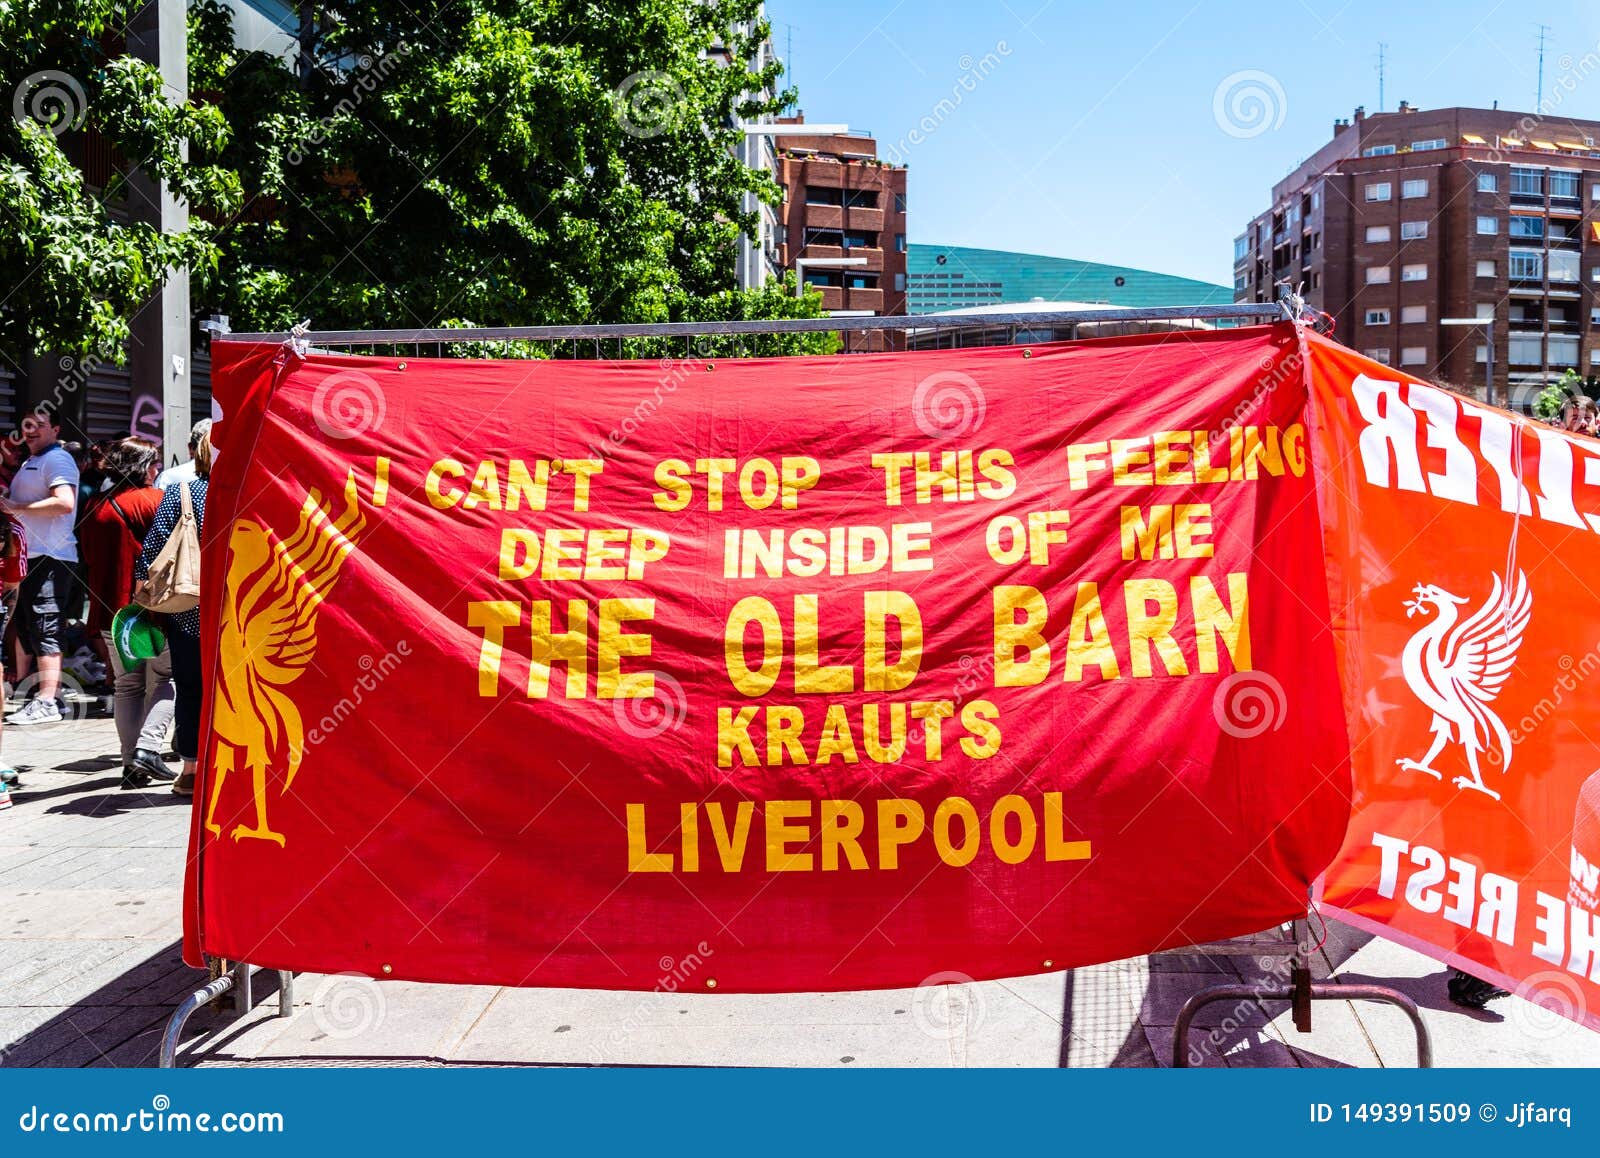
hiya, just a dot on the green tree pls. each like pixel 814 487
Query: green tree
pixel 1553 397
pixel 74 272
pixel 514 162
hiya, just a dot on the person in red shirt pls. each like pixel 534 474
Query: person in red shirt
pixel 110 535
pixel 13 567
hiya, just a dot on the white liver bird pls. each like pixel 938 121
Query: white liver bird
pixel 1457 670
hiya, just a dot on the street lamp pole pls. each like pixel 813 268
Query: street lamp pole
pixel 1487 325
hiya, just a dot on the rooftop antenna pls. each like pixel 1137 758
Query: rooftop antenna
pixel 1538 100
pixel 1381 49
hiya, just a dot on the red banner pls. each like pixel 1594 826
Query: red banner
pixel 1461 546
pixel 818 673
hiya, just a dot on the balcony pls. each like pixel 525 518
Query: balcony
pixel 870 220
pixel 863 299
pixel 823 216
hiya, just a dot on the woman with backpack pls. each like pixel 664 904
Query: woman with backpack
pixel 182 512
pixel 110 537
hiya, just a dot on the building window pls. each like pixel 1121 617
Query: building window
pixel 860 198
pixel 1527 265
pixel 1594 317
pixel 1594 192
pixel 1564 265
pixel 1488 226
pixel 1378 275
pixel 1410 315
pixel 1413 230
pixel 1563 351
pixel 1241 249
pixel 900 282
pixel 824 195
pixel 1484 310
pixel 1564 184
pixel 823 237
pixel 900 242
pixel 1377 317
pixel 1525 350
pixel 1594 274
pixel 1524 226
pixel 1413 355
pixel 1414 188
pixel 1527 182
pixel 899 202
pixel 1594 357
pixel 860 239
pixel 1424 146
pixel 1378 151
pixel 1379 355
pixel 1482 355
pixel 1418 272
pixel 1377 233
pixel 1378 192
pixel 1486 269
pixel 1488 183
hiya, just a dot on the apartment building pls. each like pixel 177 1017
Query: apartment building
pixel 1406 218
pixel 842 202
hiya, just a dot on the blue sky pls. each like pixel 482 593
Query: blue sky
pixel 1090 130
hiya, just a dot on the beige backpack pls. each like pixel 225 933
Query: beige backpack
pixel 174 582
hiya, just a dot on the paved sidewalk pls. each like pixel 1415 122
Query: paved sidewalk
pixel 90 969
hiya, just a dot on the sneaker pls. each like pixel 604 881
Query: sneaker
pixel 36 712
pixel 151 765
pixel 9 775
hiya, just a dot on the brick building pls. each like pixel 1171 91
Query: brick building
pixel 842 201
pixel 1408 217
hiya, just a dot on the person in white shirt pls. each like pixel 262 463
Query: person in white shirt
pixel 184 471
pixel 43 499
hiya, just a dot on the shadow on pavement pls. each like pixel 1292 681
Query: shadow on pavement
pixel 120 1023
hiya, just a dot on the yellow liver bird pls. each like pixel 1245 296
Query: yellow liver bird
pixel 268 636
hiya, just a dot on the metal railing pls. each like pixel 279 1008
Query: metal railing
pixel 596 337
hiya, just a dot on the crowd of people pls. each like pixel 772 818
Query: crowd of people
pixel 80 527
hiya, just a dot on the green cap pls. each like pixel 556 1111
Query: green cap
pixel 135 636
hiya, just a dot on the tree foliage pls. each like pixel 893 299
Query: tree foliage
pixel 513 162
pixel 75 269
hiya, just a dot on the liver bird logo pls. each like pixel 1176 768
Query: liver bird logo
pixel 273 591
pixel 1458 668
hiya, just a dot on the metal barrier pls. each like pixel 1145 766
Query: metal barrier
pixel 1301 992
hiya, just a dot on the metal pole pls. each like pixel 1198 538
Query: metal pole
pixel 173 1034
pixel 1488 360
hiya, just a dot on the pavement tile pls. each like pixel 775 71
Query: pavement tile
pixel 90 969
